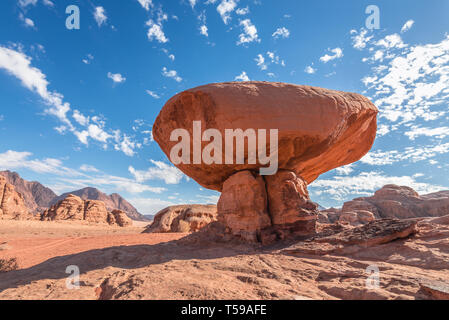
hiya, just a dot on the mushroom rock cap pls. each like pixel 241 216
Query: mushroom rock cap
pixel 318 129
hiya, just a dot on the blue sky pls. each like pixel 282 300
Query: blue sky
pixel 77 106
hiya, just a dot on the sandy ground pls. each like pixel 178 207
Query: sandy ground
pixel 122 263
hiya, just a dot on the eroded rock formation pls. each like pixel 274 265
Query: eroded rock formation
pixel 93 211
pixel 318 130
pixel 12 204
pixel 183 218
pixel 391 201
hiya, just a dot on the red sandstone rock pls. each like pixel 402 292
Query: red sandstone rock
pixel 319 129
pixel 183 218
pixel 93 211
pixel 288 198
pixel 401 202
pixel 12 205
pixel 242 207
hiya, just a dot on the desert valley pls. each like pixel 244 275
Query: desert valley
pixel 181 255
pixel 263 151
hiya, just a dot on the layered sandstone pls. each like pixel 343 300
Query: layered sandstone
pixel 391 201
pixel 36 197
pixel 183 218
pixel 93 211
pixel 112 202
pixel 12 204
pixel 318 130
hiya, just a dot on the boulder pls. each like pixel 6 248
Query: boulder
pixel 317 130
pixel 401 202
pixel 356 218
pixel 183 218
pixel 242 206
pixel 93 211
pixel 12 204
pixel 121 218
pixel 71 208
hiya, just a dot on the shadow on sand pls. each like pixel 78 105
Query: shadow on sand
pixel 125 257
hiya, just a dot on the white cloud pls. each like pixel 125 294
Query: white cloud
pixel 407 26
pixel 391 41
pixel 80 118
pixel 27 21
pixel 204 30
pixel 309 70
pixel 146 4
pixel 416 131
pixel 281 33
pixel 171 74
pixel 18 64
pixel 242 11
pixel 260 60
pixel 89 58
pixel 126 144
pixel 155 32
pixel 360 39
pixel 412 83
pixel 412 154
pixel 161 171
pixel 345 170
pixel 337 54
pixel 192 3
pixel 13 160
pixel 153 94
pixel 100 16
pixel 116 77
pixel 88 168
pixel 249 32
pixel 242 77
pixel 48 3
pixel 25 3
pixel 225 8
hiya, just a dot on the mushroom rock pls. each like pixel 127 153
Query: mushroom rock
pixel 317 130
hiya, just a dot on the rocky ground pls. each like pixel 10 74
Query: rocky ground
pixel 412 258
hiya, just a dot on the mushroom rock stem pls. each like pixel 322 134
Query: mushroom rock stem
pixel 242 207
pixel 266 209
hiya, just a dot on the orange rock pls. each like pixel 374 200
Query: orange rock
pixel 401 202
pixel 94 211
pixel 319 129
pixel 12 205
pixel 183 218
pixel 288 198
pixel 242 207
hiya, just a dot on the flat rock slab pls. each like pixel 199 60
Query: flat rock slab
pixel 352 240
pixel 436 290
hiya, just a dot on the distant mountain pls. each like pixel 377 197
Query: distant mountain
pixel 113 201
pixel 37 197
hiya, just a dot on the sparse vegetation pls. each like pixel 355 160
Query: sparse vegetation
pixel 7 265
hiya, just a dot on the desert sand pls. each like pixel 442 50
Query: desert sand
pixel 123 263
